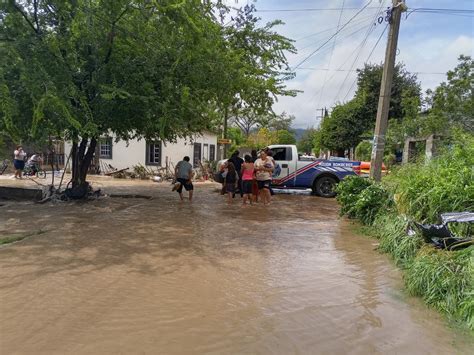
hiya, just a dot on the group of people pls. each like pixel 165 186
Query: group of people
pixel 32 164
pixel 251 176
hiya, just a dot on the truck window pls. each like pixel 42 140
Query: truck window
pixel 282 154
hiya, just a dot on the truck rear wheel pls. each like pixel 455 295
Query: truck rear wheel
pixel 325 186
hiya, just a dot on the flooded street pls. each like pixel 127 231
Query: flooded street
pixel 129 275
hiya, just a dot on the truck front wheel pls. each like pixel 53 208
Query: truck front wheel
pixel 325 186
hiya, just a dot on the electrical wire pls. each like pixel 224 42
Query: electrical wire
pixel 335 34
pixel 364 27
pixel 362 19
pixel 420 9
pixel 361 47
pixel 313 9
pixel 366 61
pixel 332 51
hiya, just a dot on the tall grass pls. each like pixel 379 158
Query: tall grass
pixel 445 280
pixel 446 184
pixel 391 230
pixel 421 192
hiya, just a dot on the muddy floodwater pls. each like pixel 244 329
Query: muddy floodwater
pixel 130 275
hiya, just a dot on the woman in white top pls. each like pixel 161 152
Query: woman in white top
pixel 264 167
pixel 19 161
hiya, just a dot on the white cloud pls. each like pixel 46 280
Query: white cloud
pixel 437 55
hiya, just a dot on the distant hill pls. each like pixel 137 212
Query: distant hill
pixel 298 132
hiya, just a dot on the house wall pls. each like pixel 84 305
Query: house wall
pixel 126 155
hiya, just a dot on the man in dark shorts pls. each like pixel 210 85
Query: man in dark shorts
pixel 184 174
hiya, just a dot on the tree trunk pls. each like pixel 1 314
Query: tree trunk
pixel 82 156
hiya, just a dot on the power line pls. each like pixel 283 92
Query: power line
pixel 368 58
pixel 355 70
pixel 332 51
pixel 335 34
pixel 340 67
pixel 362 19
pixel 314 9
pixel 361 47
pixel 346 36
pixel 420 9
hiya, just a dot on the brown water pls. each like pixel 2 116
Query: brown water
pixel 159 276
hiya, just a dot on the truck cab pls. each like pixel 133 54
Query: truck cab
pixel 321 175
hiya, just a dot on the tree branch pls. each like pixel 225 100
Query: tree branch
pixel 112 35
pixel 20 10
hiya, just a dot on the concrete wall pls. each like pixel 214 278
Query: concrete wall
pixel 127 154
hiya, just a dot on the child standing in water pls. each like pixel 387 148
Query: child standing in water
pixel 248 172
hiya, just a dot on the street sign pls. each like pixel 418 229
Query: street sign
pixel 224 141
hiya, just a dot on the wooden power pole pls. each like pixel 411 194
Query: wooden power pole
pixel 385 91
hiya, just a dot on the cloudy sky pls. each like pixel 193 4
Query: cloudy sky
pixel 429 44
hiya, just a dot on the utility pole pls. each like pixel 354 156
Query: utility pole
pixel 398 6
pixel 322 114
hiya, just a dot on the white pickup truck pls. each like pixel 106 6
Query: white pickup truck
pixel 320 175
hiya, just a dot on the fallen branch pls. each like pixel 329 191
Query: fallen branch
pixel 115 172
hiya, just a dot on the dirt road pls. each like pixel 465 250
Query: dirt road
pixel 163 277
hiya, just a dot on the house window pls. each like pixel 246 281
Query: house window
pixel 153 153
pixel 212 152
pixel 105 148
pixel 197 154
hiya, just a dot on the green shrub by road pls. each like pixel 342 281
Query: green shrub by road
pixel 421 192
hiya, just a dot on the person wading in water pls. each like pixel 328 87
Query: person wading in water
pixel 184 175
pixel 264 168
pixel 248 172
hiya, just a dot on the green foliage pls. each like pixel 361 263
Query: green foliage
pixel 363 151
pixel 136 69
pixel 237 138
pixel 305 144
pixel 452 103
pixel 391 230
pixel 348 191
pixel 343 128
pixel 370 202
pixel 349 122
pixel 445 280
pixel 282 136
pixel 445 184
pixel 261 139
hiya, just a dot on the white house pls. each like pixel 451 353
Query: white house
pixel 123 154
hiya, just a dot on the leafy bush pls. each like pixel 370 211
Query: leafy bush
pixel 363 151
pixel 370 202
pixel 444 280
pixel 445 184
pixel 348 191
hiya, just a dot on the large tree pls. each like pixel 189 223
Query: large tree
pixel 451 104
pixel 81 69
pixel 256 72
pixel 352 121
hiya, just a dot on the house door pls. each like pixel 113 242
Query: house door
pixel 197 154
